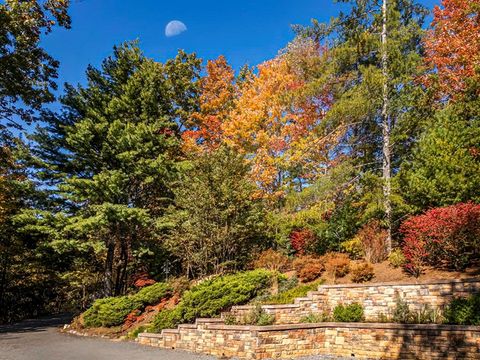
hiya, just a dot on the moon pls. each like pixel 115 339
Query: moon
pixel 174 28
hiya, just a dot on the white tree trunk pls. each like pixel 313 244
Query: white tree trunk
pixel 387 187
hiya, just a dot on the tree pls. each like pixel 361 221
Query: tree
pixel 215 222
pixel 279 126
pixel 27 71
pixel 445 166
pixel 374 55
pixel 113 151
pixel 387 159
pixel 217 93
pixel 453 46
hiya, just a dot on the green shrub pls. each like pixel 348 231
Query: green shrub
pixel 211 297
pixel 112 311
pixel 353 248
pixel 152 294
pixel 288 296
pixel 132 335
pixel 258 316
pixel 167 319
pixel 287 283
pixel 401 313
pixel 464 311
pixel 230 319
pixel 315 318
pixel 396 258
pixel 265 319
pixel 426 315
pixel 348 313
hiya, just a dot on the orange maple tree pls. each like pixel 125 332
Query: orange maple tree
pixel 278 125
pixel 216 100
pixel 453 45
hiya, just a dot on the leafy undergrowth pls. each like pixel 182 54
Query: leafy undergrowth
pixel 211 297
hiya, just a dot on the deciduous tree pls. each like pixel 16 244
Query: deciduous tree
pixel 217 94
pixel 453 45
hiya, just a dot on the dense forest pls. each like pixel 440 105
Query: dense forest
pixel 362 130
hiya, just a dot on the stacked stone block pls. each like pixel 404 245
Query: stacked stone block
pixel 289 338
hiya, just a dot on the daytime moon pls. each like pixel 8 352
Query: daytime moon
pixel 174 28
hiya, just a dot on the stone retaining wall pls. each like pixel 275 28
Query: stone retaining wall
pixel 377 299
pixel 362 341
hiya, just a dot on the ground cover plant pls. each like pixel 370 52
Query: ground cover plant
pixel 211 297
pixel 112 311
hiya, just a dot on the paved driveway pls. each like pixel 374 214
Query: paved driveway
pixel 41 340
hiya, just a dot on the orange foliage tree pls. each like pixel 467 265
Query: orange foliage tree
pixel 216 100
pixel 453 45
pixel 278 125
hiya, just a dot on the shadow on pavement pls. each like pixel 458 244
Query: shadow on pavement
pixel 35 325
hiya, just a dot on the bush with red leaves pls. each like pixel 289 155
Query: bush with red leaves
pixel 302 240
pixel 308 267
pixel 141 280
pixel 446 237
pixel 372 237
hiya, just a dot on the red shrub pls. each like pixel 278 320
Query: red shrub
pixel 372 237
pixel 142 279
pixel 337 265
pixel 301 240
pixel 308 268
pixel 446 237
pixel 131 319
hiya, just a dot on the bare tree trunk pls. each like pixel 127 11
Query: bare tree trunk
pixel 387 187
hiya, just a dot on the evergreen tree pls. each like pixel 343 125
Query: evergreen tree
pixel 27 71
pixel 445 165
pixel 111 154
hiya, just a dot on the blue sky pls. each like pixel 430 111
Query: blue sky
pixel 248 31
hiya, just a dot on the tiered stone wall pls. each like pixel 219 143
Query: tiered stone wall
pixel 377 299
pixel 362 341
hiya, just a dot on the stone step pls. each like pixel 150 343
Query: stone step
pixel 187 326
pixel 209 321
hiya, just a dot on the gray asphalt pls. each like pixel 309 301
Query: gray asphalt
pixel 41 340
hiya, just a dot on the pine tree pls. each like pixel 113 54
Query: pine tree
pixel 27 71
pixel 445 165
pixel 113 152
